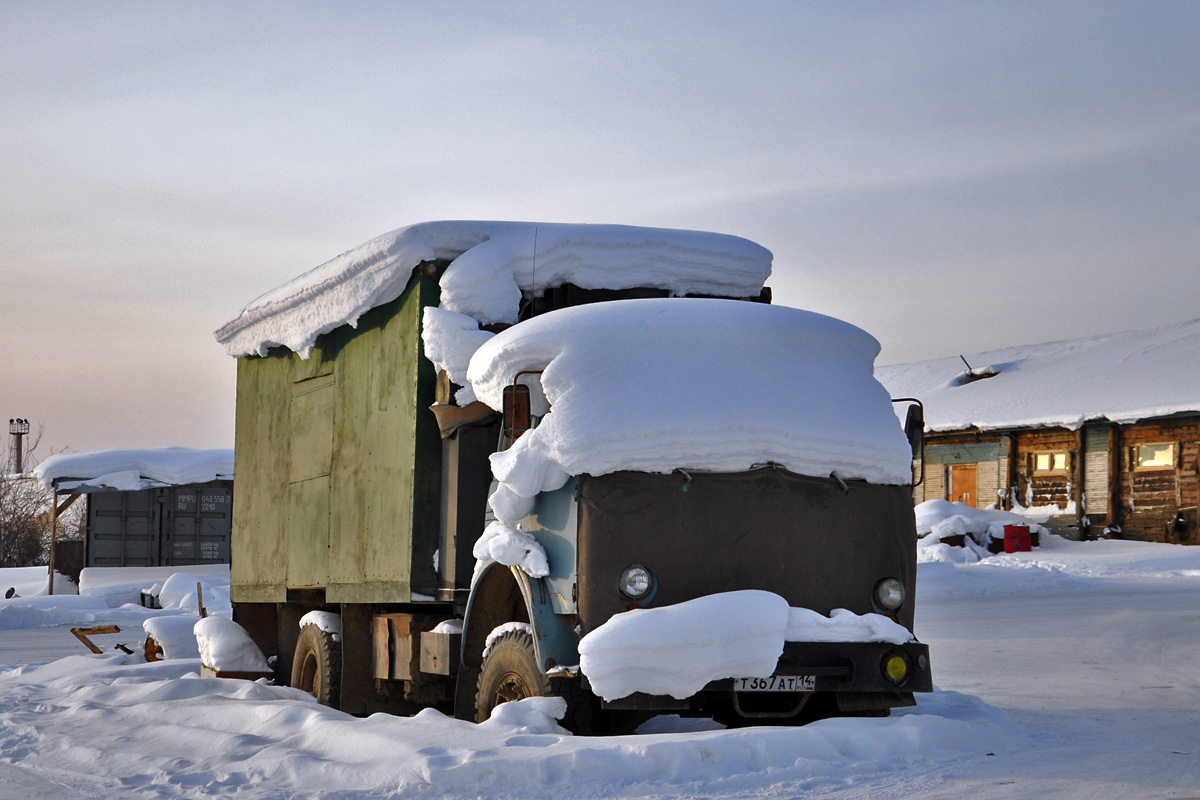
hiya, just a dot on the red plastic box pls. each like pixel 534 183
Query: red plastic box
pixel 1016 539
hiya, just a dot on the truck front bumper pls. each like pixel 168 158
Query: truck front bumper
pixel 851 669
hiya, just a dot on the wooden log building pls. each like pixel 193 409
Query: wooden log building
pixel 1102 433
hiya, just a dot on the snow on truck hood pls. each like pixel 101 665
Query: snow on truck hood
pixel 656 385
pixel 492 264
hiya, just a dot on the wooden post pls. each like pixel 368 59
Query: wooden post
pixel 1013 471
pixel 200 600
pixel 1080 475
pixel 1115 478
pixel 53 530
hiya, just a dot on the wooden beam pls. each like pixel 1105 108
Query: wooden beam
pixel 65 504
pixel 82 635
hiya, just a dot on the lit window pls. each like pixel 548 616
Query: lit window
pixel 1154 456
pixel 1051 462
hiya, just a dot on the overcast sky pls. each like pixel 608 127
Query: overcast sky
pixel 952 177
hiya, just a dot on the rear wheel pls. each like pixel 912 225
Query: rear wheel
pixel 510 673
pixel 317 665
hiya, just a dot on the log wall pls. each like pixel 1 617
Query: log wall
pixel 1100 492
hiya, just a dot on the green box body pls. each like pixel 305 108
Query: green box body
pixel 341 469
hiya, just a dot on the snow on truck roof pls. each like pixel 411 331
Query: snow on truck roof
pixel 650 385
pixel 130 470
pixel 1121 377
pixel 659 384
pixel 492 264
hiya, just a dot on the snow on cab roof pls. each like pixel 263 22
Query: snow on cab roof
pixel 130 470
pixel 1121 377
pixel 662 384
pixel 493 263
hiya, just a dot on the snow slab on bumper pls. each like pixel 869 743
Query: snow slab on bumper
pixel 852 671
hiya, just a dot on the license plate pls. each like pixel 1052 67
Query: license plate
pixel 776 683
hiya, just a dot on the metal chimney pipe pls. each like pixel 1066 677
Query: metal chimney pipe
pixel 18 428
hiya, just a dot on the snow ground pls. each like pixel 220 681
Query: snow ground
pixel 1068 672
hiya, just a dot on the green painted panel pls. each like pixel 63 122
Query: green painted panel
pixel 312 416
pixel 964 453
pixel 380 520
pixel 348 472
pixel 369 592
pixel 258 552
pixel 308 533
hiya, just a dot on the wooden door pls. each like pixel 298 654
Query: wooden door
pixel 963 484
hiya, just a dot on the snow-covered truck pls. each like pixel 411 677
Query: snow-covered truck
pixel 483 461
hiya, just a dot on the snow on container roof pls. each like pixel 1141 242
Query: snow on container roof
pixel 493 263
pixel 1122 377
pixel 721 385
pixel 129 470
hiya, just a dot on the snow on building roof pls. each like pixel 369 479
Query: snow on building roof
pixel 660 384
pixel 493 263
pixel 130 470
pixel 1121 377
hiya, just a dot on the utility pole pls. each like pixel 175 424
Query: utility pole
pixel 18 428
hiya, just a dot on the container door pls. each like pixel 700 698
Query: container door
pixel 198 526
pixel 122 529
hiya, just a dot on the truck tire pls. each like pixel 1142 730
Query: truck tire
pixel 510 672
pixel 317 665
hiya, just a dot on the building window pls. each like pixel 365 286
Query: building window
pixel 1052 461
pixel 1160 455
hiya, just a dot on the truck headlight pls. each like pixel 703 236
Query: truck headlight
pixel 636 582
pixel 889 594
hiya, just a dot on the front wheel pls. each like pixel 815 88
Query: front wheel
pixel 317 665
pixel 510 673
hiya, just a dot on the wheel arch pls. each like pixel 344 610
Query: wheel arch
pixel 506 594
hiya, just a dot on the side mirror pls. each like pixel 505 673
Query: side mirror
pixel 914 428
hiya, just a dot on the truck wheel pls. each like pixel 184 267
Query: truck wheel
pixel 510 672
pixel 317 665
